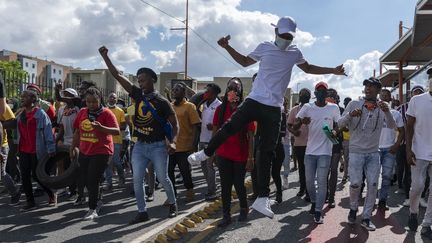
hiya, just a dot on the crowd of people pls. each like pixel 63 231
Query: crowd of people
pixel 370 138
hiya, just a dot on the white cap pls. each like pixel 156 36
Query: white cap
pixel 71 91
pixel 286 25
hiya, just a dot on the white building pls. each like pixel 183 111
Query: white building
pixel 30 66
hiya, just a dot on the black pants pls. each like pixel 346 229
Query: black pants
pixel 232 173
pixel 12 165
pixel 333 176
pixel 300 153
pixel 267 117
pixel 180 159
pixel 28 164
pixel 91 172
pixel 277 165
pixel 403 170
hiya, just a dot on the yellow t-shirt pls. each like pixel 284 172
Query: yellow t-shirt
pixel 187 117
pixel 346 136
pixel 7 115
pixel 120 117
pixel 131 114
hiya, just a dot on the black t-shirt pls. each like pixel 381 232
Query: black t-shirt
pixel 146 127
pixel 2 87
pixel 337 148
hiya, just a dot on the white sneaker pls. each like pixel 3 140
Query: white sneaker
pixel 91 215
pixel 197 157
pixel 423 203
pixel 285 182
pixel 262 205
pixel 406 203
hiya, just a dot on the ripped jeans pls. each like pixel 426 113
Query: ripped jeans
pixel 369 163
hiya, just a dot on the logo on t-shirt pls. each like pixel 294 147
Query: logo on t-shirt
pixel 88 134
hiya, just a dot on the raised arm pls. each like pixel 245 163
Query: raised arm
pixel 239 58
pixel 124 82
pixel 313 69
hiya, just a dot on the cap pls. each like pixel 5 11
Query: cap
pixel 373 81
pixel 321 84
pixel 417 87
pixel 286 25
pixel 35 88
pixel 71 91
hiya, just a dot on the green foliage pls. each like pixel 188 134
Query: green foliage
pixel 13 76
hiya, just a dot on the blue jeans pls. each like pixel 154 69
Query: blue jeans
pixel 142 154
pixel 116 161
pixel 369 163
pixel 419 173
pixel 287 159
pixel 317 167
pixel 387 162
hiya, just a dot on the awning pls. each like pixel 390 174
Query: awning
pixel 391 77
pixel 422 35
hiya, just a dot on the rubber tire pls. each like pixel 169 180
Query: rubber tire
pixel 64 180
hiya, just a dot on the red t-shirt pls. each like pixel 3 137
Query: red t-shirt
pixel 27 142
pixel 92 141
pixel 236 147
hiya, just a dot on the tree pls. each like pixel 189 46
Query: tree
pixel 14 77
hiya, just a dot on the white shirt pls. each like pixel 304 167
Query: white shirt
pixel 318 143
pixel 206 118
pixel 420 107
pixel 388 135
pixel 274 73
pixel 67 119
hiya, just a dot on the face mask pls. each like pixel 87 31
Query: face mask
pixel 282 43
pixel 206 96
pixel 232 96
pixel 304 99
pixel 321 95
pixel 111 106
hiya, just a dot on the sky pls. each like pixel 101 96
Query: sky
pixel 330 32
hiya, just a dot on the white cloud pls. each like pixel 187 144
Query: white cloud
pixel 352 85
pixel 128 52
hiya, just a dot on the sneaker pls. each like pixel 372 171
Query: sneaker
pixel 426 232
pixel 190 194
pixel 91 215
pixel 72 196
pixel 52 201
pixel 279 197
pixel 99 206
pixel 172 210
pixel 210 197
pixel 423 203
pixel 382 205
pixel 413 222
pixel 243 214
pixel 139 218
pixel 80 201
pixel 197 157
pixel 367 224
pixel 352 216
pixel 150 198
pixel 285 183
pixel 312 209
pixel 225 221
pixel 29 206
pixel 318 219
pixel 406 203
pixel 15 199
pixel 331 203
pixel 262 205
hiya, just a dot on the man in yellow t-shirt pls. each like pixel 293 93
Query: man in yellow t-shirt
pixel 6 179
pixel 118 143
pixel 188 120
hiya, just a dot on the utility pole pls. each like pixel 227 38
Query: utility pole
pixel 186 28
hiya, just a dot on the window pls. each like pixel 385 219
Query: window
pixel 59 71
pixel 33 66
pixel 54 71
pixel 26 64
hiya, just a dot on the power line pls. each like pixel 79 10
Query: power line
pixel 196 33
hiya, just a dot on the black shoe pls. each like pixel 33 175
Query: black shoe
pixel 226 220
pixel 413 222
pixel 140 217
pixel 331 203
pixel 150 198
pixel 426 232
pixel 312 209
pixel 318 219
pixel 382 205
pixel 172 210
pixel 15 199
pixel 279 197
pixel 367 224
pixel 29 206
pixel 300 193
pixel 352 216
pixel 243 214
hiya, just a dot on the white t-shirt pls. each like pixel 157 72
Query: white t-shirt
pixel 318 143
pixel 388 135
pixel 207 118
pixel 67 119
pixel 420 107
pixel 274 73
